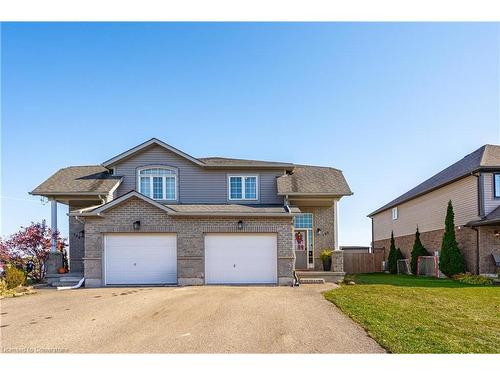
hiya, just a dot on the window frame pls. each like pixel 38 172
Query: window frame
pixel 164 182
pixel 243 193
pixel 395 213
pixel 310 237
pixel 496 194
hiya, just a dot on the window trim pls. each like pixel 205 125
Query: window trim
pixel 243 176
pixel 496 194
pixel 164 183
pixel 396 211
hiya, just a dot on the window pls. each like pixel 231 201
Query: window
pixel 243 187
pixel 496 185
pixel 158 183
pixel 395 213
pixel 303 221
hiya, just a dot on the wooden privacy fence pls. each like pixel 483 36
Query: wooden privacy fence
pixel 363 262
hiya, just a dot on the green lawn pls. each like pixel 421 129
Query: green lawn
pixel 406 314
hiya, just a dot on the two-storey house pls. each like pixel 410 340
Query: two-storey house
pixel 473 186
pixel 156 215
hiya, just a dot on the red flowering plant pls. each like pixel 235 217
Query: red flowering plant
pixel 29 249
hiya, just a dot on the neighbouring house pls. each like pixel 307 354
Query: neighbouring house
pixel 473 186
pixel 156 215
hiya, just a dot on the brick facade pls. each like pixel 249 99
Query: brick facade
pixel 488 243
pixel 190 238
pixel 466 238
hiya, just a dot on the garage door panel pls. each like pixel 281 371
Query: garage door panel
pixel 240 258
pixel 141 258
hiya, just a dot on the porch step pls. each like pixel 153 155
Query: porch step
pixel 325 276
pixel 310 280
pixel 65 279
pixel 70 279
pixel 65 275
pixel 64 283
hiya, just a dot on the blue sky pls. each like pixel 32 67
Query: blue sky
pixel 389 104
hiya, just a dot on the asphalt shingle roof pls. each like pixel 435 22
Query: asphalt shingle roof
pixel 314 180
pixel 230 162
pixel 229 208
pixel 492 217
pixel 96 178
pixel 483 158
pixel 81 179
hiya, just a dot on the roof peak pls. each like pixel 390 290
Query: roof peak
pixel 483 157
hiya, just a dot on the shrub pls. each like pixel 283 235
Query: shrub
pixel 325 254
pixel 451 261
pixel 467 278
pixel 29 249
pixel 392 260
pixel 3 286
pixel 14 277
pixel 418 251
pixel 348 279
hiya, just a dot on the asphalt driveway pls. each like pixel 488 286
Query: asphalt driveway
pixel 208 319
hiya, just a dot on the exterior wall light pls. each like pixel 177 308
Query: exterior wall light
pixel 137 225
pixel 240 225
pixel 496 233
pixel 318 231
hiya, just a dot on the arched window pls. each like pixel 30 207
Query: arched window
pixel 159 183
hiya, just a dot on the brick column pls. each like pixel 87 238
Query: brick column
pixel 338 261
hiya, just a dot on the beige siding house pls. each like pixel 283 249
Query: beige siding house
pixel 470 185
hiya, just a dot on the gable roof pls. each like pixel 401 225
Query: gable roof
pixel 485 157
pixel 98 210
pixel 153 141
pixel 208 162
pixel 79 180
pixel 97 179
pixel 306 179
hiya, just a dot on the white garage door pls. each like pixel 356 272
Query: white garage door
pixel 241 258
pixel 140 258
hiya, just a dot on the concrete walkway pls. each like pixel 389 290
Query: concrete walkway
pixel 208 319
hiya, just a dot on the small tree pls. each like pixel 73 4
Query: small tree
pixel 392 260
pixel 451 261
pixel 417 251
pixel 29 249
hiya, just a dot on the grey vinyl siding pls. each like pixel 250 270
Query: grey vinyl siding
pixel 490 202
pixel 196 184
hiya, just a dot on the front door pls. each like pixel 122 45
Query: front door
pixel 300 245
